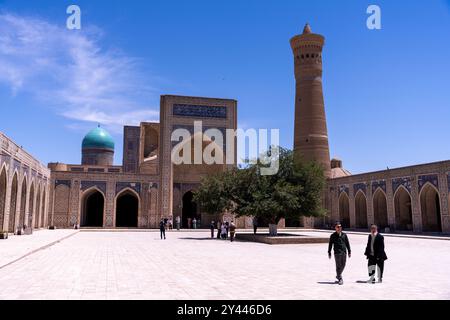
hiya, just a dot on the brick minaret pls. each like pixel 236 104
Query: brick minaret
pixel 310 135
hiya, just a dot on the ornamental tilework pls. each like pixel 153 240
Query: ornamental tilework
pixel 359 186
pixel 136 186
pixel 431 178
pixel 6 158
pixel 109 220
pixel 153 185
pixel 379 184
pixel 16 165
pixel 62 182
pixel 405 182
pixel 189 110
pixel 101 185
pixel 343 188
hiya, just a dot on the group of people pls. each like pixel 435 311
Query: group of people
pixel 375 253
pixel 193 223
pixel 223 230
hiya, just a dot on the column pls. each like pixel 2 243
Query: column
pixel 51 209
pixel 369 199
pixel 352 207
pixel 74 204
pixel 443 194
pixel 415 205
pixel 109 220
pixel 143 216
pixel 27 202
pixel 154 216
pixel 335 204
pixel 390 204
pixel 7 203
pixel 20 182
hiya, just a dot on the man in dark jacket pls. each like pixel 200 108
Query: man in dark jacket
pixel 212 227
pixel 255 224
pixel 339 241
pixel 375 254
pixel 162 229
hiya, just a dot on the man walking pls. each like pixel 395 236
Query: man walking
pixel 162 229
pixel 339 241
pixel 255 224
pixel 375 254
pixel 212 226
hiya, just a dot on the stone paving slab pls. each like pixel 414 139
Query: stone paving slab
pixel 138 265
pixel 425 235
pixel 16 247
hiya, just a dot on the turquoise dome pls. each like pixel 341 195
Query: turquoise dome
pixel 98 138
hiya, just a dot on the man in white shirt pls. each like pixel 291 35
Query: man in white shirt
pixel 375 254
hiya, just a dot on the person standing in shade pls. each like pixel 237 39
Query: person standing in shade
pixel 255 224
pixel 218 229
pixel 178 222
pixel 339 242
pixel 375 254
pixel 223 231
pixel 162 229
pixel 194 223
pixel 227 227
pixel 212 226
pixel 232 231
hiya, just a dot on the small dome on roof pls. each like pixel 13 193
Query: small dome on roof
pixel 98 138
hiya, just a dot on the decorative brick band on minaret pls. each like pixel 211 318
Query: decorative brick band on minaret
pixel 310 135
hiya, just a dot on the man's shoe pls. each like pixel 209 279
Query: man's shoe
pixel 371 281
pixel 380 280
pixel 341 282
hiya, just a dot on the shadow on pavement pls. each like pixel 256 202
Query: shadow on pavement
pixel 193 238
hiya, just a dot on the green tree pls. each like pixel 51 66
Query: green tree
pixel 212 193
pixel 294 191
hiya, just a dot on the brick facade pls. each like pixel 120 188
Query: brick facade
pixel 147 172
pixel 426 185
pixel 24 189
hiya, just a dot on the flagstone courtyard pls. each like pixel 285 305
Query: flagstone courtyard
pixel 72 264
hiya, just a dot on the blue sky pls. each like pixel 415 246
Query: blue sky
pixel 387 92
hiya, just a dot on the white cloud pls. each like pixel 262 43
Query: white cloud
pixel 71 72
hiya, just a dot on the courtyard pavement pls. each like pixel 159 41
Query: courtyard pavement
pixel 189 265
